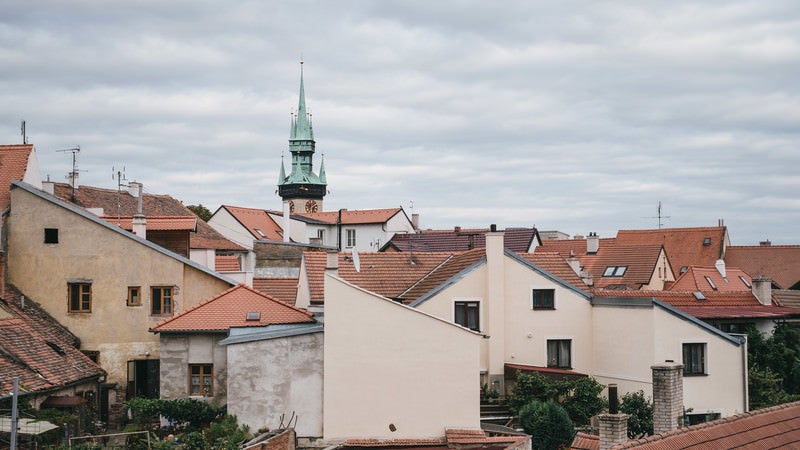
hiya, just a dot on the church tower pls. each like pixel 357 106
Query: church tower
pixel 302 189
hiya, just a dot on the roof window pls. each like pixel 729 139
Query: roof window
pixel 707 241
pixel 699 295
pixel 744 280
pixel 615 271
pixel 711 282
pixel 260 233
pixel 253 316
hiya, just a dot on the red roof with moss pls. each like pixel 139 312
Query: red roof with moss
pixel 13 163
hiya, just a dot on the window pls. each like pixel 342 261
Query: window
pixel 80 297
pixel 745 281
pixel 260 233
pixel 615 271
pixel 710 282
pixel 321 235
pixel 134 299
pixel 161 301
pixel 544 299
pixel 201 378
pixel 559 353
pixel 351 237
pixel 467 314
pixel 51 235
pixel 694 359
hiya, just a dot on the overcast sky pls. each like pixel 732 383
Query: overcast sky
pixel 575 116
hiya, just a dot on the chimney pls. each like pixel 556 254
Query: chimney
pixel 765 243
pixel 139 223
pixel 49 187
pixel 493 309
pixel 457 229
pixel 415 221
pixel 287 221
pixel 613 426
pixel 592 243
pixel 667 396
pixel 332 262
pixel 135 189
pixel 762 289
pixel 720 265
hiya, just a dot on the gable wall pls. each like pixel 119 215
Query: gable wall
pixel 225 224
pixel 178 351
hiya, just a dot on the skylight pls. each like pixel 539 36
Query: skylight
pixel 615 271
pixel 744 280
pixel 253 316
pixel 699 295
pixel 260 233
pixel 711 282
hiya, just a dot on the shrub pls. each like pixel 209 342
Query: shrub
pixel 548 424
pixel 640 410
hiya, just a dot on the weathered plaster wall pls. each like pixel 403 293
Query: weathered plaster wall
pixel 180 350
pixel 270 378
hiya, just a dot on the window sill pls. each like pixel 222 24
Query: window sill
pixel 544 308
pixel 695 375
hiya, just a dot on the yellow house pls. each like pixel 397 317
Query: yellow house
pixel 106 285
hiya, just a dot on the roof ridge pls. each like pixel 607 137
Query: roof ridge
pixel 424 277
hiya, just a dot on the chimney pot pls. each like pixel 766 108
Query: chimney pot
pixel 613 400
pixel 493 227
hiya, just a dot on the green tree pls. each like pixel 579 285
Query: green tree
pixel 201 211
pixel 529 387
pixel 579 397
pixel 774 372
pixel 548 424
pixel 583 400
pixel 640 412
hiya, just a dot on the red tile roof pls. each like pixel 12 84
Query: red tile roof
pixel 38 350
pixel 352 217
pixel 555 264
pixel 780 263
pixel 256 219
pixel 13 163
pixel 694 279
pixel 684 246
pixel 575 247
pixel 227 263
pixel 230 309
pixel 162 223
pixel 386 274
pixel 454 438
pixel 284 289
pixel 518 240
pixel 775 427
pixel 152 205
pixel 585 441
pixel 442 273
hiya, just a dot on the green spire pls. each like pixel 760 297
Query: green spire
pixel 282 175
pixel 301 128
pixel 322 171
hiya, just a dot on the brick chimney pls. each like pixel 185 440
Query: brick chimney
pixel 762 289
pixel 667 396
pixel 592 243
pixel 613 426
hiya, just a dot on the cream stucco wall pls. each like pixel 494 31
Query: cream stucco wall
pixel 661 274
pixel 180 350
pixel 225 224
pixel 112 261
pixel 392 372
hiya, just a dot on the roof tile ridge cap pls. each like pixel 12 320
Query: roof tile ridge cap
pixel 279 301
pixel 424 277
pixel 204 302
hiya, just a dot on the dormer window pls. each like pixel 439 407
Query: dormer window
pixel 615 271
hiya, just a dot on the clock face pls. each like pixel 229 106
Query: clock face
pixel 311 206
pixel 291 206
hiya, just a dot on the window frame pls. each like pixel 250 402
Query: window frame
pixel 202 377
pixel 694 368
pixel 615 271
pixel 350 237
pixel 84 305
pixel 556 361
pixel 161 311
pixel 543 305
pixel 134 298
pixel 469 305
pixel 51 236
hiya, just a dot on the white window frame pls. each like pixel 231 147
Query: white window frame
pixel 350 237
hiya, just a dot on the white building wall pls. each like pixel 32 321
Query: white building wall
pixel 228 226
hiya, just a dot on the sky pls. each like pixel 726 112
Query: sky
pixel 577 116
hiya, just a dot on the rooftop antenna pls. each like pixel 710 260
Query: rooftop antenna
pixel 660 216
pixel 73 176
pixel 118 175
pixel 22 132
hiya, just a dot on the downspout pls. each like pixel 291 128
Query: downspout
pixel 339 230
pixel 746 373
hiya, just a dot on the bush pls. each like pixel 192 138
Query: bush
pixel 580 397
pixel 548 424
pixel 640 410
pixel 583 400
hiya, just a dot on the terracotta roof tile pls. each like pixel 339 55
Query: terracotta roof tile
pixel 161 223
pixel 586 441
pixel 230 309
pixel 775 427
pixel 694 279
pixel 442 273
pixel 356 216
pixel 786 297
pixel 781 263
pixel 227 263
pixel 684 246
pixel 555 264
pixel 37 349
pixel 152 205
pixel 518 240
pixel 256 220
pixel 13 163
pixel 284 289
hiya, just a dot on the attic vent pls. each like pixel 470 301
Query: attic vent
pixel 699 295
pixel 707 241
pixel 56 348
pixel 253 316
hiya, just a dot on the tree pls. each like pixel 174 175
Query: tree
pixel 548 424
pixel 579 397
pixel 582 400
pixel 774 372
pixel 640 412
pixel 201 211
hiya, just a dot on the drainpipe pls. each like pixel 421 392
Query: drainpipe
pixel 339 231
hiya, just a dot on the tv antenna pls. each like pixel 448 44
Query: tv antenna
pixel 22 132
pixel 73 176
pixel 659 216
pixel 118 175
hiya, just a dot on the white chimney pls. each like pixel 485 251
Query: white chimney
pixel 49 187
pixel 762 289
pixel 720 265
pixel 139 223
pixel 332 262
pixel 415 221
pixel 592 243
pixel 287 220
